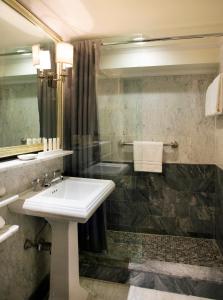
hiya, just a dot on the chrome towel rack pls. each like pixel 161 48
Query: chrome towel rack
pixel 7 201
pixel 173 144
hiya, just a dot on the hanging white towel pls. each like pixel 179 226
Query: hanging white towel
pixel 214 97
pixel 148 156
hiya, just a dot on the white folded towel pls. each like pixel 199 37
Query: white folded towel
pixel 148 156
pixel 2 222
pixel 214 97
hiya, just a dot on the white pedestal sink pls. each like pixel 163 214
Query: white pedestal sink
pixel 64 205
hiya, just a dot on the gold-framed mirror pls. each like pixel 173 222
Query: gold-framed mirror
pixel 22 93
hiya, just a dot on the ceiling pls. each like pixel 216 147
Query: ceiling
pixel 17 31
pixel 78 19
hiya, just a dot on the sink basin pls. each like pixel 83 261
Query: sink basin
pixel 74 199
pixel 63 205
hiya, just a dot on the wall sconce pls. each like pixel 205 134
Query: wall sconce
pixel 42 61
pixel 64 57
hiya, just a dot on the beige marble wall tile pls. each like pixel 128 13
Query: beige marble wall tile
pixel 203 148
pixel 219 141
pixel 21 271
pixel 159 108
pixel 219 127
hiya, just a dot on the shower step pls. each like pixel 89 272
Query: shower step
pixel 164 276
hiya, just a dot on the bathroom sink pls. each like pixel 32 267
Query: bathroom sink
pixel 74 199
pixel 65 204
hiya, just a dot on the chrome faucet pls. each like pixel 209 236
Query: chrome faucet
pixel 57 175
pixel 46 181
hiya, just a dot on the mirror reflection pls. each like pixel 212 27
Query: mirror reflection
pixel 27 103
pixel 19 114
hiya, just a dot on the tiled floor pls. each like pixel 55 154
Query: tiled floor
pixel 137 293
pixel 101 290
pixel 138 247
pixel 151 265
pixel 181 265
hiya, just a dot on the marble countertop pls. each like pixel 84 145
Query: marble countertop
pixel 16 163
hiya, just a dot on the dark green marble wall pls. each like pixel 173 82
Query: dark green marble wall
pixel 219 207
pixel 180 201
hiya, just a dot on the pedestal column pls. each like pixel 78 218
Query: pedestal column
pixel 64 273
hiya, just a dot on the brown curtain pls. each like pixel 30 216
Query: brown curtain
pixel 82 134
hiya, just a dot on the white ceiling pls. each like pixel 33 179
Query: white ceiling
pixel 106 18
pixel 16 31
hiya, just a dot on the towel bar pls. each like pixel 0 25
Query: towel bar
pixel 7 231
pixel 171 144
pixel 9 200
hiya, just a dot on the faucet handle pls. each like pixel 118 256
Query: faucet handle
pixel 57 172
pixel 36 184
pixel 46 180
pixel 57 175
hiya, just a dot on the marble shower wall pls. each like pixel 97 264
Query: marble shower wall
pixel 159 108
pixel 219 168
pixel 22 271
pixel 18 101
pixel 219 180
pixel 219 207
pixel 219 141
pixel 180 201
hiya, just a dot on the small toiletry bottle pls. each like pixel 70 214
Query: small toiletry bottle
pixel 45 148
pixel 50 144
pixel 54 144
pixel 58 143
pixel 28 141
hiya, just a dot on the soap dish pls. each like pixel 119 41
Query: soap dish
pixel 27 156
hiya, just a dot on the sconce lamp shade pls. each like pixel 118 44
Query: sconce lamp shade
pixel 45 63
pixel 36 55
pixel 64 54
pixel 41 58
